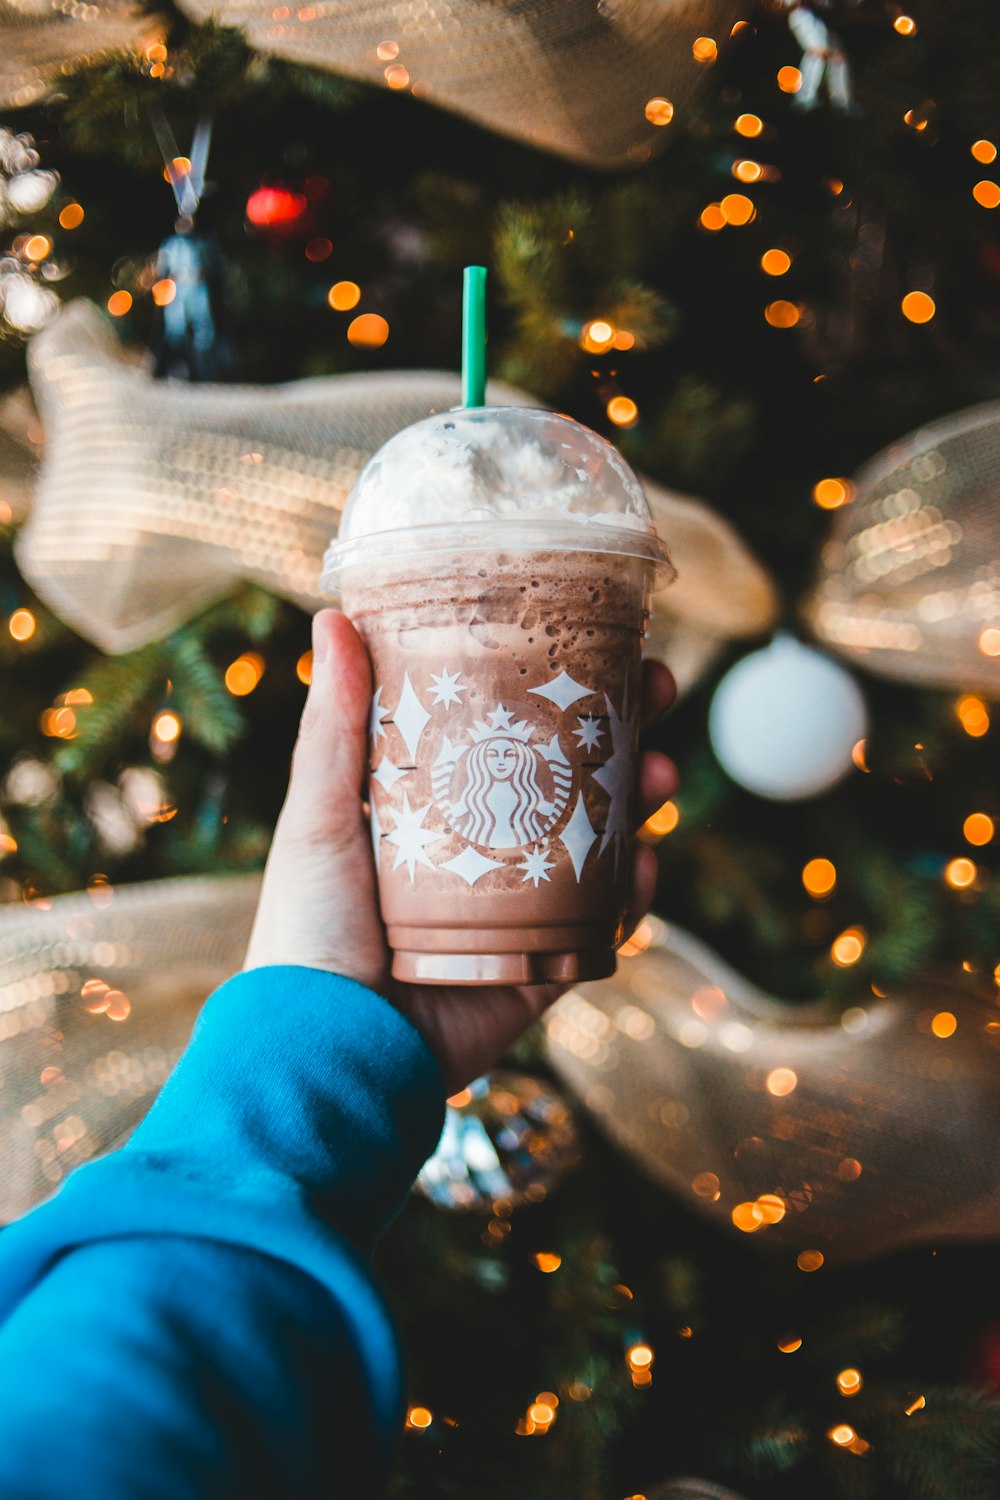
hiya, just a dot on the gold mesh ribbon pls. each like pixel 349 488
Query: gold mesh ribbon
pixel 156 497
pixel 569 76
pixel 849 1134
pixel 98 995
pixel 20 436
pixel 909 584
pixel 42 41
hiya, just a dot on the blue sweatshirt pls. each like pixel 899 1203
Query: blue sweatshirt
pixel 192 1317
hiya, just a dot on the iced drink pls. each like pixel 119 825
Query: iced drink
pixel 506 642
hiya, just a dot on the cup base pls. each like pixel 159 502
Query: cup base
pixel 502 968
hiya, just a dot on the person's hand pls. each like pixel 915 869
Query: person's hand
pixel 319 904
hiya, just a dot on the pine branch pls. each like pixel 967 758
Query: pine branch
pixel 209 713
pixel 118 686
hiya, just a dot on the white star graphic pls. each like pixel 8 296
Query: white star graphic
pixel 411 838
pixel 616 776
pixel 536 866
pixel 501 718
pixel 589 732
pixel 378 713
pixel 448 687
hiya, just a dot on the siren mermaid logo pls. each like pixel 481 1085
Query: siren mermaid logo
pixel 501 791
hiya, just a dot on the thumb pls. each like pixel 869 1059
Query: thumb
pixel 329 763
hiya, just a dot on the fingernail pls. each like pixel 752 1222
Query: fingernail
pixel 320 640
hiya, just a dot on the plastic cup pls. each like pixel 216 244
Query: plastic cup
pixel 498 563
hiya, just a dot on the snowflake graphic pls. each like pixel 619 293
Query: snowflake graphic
pixel 589 732
pixel 375 726
pixel 536 866
pixel 411 838
pixel 448 687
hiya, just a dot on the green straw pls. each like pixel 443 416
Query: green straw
pixel 474 336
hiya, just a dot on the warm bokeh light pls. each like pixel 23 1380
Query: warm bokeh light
pixel 772 1207
pixel 179 167
pixel 858 755
pixel 849 1169
pixel 119 303
pixel 58 723
pixel 662 822
pixel 972 715
pixel 914 120
pixel 986 193
pixel 8 844
pixel 304 667
pixel 164 291
pixel 960 873
pixel 637 943
pixel 387 51
pixel 781 1081
pixel 344 295
pixel 167 727
pixel 706 1185
pixel 36 247
pixel 944 1024
pixel 71 216
pixel 745 170
pixel 368 331
pixel 905 25
pixel 809 1260
pixel 704 49
pixel 541 1413
pixel 597 336
pixel 396 76
pixel 848 947
pixel 419 1416
pixel 624 340
pixel 849 1382
pixel 117 1006
pixel 712 218
pixel 831 494
pixel 917 1404
pixel 781 314
pixel 775 262
pixel 989 641
pixel 789 1346
pixel 789 80
pixel 737 208
pixel 639 1357
pixel 748 1217
pixel 547 1261
pixel 623 411
pixel 748 125
pixel 984 152
pixel 659 111
pixel 978 828
pixel 318 250
pixel 22 625
pixel 243 674
pixel 842 1435
pixel 918 307
pixel 819 877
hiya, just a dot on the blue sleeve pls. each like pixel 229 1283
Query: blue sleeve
pixel 192 1317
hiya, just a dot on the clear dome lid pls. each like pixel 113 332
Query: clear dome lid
pixel 496 476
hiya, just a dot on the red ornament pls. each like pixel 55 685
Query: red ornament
pixel 276 208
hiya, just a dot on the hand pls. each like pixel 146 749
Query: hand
pixel 319 903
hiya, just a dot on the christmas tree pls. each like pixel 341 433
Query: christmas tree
pixel 785 263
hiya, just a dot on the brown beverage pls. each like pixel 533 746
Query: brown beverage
pixel 503 745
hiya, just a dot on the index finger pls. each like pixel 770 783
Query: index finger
pixel 658 691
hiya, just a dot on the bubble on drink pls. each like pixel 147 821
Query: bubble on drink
pixel 498 562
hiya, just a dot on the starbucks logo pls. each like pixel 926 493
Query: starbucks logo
pixel 499 790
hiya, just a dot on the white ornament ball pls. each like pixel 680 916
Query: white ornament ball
pixel 784 721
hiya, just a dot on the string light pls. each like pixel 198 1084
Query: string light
pixel 368 331
pixel 624 340
pixel 659 111
pixel 831 494
pixel 318 250
pixel 706 1185
pixel 772 1207
pixel 843 1435
pixel 781 1082
pixel 789 80
pixel 989 641
pixel 704 49
pixel 960 873
pixel 972 715
pixel 978 828
pixel 119 303
pixel 849 1168
pixel 419 1417
pixel 984 152
pixel 344 295
pixel 164 291
pixel 849 1382
pixel 789 1345
pixel 810 1260
pixel 36 247
pixel 304 667
pixel 662 822
pixel 22 625
pixel 638 943
pixel 987 193
pixel 597 336
pixel 748 126
pixel 737 209
pixel 917 1404
pixel 639 1357
pixel 623 411
pixel 387 51
pixel 848 947
pixel 712 218
pixel 819 876
pixel 775 262
pixel 918 307
pixel 547 1262
pixel 745 170
pixel 166 727
pixel 781 314
pixel 243 674
pixel 944 1024
pixel 396 76
pixel 905 26
pixel 71 217
pixel 748 1217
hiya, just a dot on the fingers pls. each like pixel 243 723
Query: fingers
pixel 658 691
pixel 645 868
pixel 328 767
pixel 657 782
